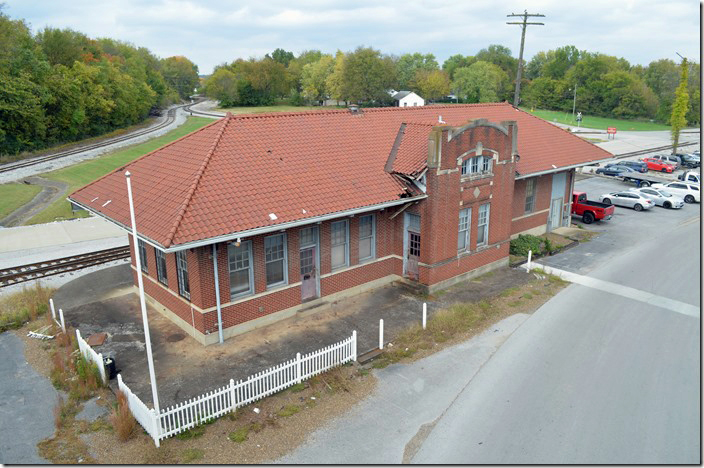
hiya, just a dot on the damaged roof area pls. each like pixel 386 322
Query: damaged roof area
pixel 229 176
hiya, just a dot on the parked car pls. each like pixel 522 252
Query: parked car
pixel 691 160
pixel 669 159
pixel 639 166
pixel 691 177
pixel 660 197
pixel 628 199
pixel 590 211
pixel 614 169
pixel 690 192
pixel 658 165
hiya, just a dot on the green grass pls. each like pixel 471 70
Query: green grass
pixel 289 410
pixel 600 123
pixel 192 454
pixel 278 108
pixel 13 196
pixel 80 174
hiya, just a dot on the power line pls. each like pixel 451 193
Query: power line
pixel 523 25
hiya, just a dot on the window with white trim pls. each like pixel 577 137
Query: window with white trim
pixel 339 244
pixel 143 255
pixel 276 260
pixel 477 165
pixel 367 237
pixel 463 229
pixel 530 195
pixel 161 266
pixel 182 273
pixel 239 260
pixel 483 225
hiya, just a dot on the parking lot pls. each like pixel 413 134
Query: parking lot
pixel 618 235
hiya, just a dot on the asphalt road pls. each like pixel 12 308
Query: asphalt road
pixel 591 377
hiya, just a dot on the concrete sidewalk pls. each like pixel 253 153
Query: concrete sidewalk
pixel 185 368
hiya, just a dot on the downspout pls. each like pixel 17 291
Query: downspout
pixel 217 291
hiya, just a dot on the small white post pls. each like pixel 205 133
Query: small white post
pixel 53 311
pixel 232 394
pixel 155 419
pixel 298 367
pixel 61 316
pixel 425 314
pixel 530 254
pixel 101 368
pixel 381 333
pixel 354 345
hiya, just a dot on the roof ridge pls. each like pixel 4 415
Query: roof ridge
pixel 196 182
pixel 145 155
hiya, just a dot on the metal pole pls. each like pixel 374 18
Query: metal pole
pixel 142 304
pixel 217 292
pixel 574 101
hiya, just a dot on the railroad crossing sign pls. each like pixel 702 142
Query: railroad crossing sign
pixel 579 116
pixel 611 132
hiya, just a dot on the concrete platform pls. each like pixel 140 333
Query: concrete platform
pixel 58 234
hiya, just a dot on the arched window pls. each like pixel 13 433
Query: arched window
pixel 477 165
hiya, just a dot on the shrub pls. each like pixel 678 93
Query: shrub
pixel 59 412
pixel 523 243
pixel 18 308
pixel 121 418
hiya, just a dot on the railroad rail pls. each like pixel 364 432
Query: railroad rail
pixel 652 150
pixel 189 109
pixel 170 117
pixel 32 271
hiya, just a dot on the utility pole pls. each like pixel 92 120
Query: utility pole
pixel 523 25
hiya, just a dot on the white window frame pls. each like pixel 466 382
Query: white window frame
pixel 143 255
pixel 285 260
pixel 464 229
pixel 477 165
pixel 230 249
pixel 372 237
pixel 531 190
pixel 346 244
pixel 161 273
pixel 182 274
pixel 485 225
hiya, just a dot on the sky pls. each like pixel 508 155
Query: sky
pixel 211 32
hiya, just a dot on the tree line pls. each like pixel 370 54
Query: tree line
pixel 59 85
pixel 595 83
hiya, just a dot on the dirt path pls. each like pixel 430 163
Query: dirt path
pixel 51 191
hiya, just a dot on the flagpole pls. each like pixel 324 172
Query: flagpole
pixel 143 305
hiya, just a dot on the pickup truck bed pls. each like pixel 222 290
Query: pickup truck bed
pixel 644 180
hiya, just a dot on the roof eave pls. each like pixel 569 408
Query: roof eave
pixel 562 168
pixel 260 230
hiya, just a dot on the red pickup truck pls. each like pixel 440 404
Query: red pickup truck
pixel 590 211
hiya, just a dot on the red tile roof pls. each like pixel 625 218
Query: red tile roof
pixel 229 176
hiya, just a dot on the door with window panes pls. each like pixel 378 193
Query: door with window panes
pixel 412 246
pixel 308 240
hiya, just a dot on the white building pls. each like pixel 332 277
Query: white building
pixel 408 99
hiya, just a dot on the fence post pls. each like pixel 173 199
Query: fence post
pixel 425 314
pixel 298 367
pixel 155 434
pixel 354 345
pixel 61 316
pixel 530 254
pixel 381 333
pixel 232 394
pixel 101 368
pixel 53 311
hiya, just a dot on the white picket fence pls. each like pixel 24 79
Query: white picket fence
pixel 188 414
pixel 91 356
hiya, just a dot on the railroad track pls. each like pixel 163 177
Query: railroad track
pixel 189 108
pixel 170 117
pixel 652 150
pixel 32 271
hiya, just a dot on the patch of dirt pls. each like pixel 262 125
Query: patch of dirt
pixel 36 351
pixel 270 434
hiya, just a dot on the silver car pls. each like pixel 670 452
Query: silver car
pixel 660 197
pixel 628 199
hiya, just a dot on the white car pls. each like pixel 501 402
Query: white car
pixel 629 199
pixel 660 197
pixel 690 192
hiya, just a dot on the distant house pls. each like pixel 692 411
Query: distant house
pixel 407 99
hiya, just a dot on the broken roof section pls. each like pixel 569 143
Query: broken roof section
pixel 229 176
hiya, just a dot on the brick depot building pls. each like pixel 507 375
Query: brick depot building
pixel 278 213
